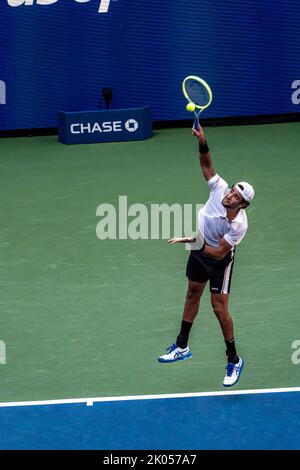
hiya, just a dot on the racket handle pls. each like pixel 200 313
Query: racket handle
pixel 196 123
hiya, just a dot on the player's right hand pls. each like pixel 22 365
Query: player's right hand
pixel 198 133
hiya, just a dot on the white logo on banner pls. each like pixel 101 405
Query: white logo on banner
pixel 296 95
pixel 90 128
pixel 131 125
pixel 2 92
pixel 103 4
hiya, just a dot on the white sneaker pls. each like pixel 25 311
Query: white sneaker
pixel 175 354
pixel 233 372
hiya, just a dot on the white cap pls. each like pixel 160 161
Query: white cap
pixel 246 190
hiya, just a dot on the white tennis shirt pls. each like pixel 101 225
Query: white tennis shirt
pixel 212 218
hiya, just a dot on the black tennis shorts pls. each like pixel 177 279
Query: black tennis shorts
pixel 201 268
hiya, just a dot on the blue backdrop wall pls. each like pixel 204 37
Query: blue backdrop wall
pixel 59 54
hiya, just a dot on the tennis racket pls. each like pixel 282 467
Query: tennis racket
pixel 199 95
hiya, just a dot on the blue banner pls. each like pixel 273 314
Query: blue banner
pixel 104 126
pixel 59 54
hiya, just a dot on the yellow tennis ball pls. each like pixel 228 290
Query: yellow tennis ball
pixel 190 107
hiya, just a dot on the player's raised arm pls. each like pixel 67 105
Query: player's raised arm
pixel 204 154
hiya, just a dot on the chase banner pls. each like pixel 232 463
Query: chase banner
pixel 105 126
pixel 59 54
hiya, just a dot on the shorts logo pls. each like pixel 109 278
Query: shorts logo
pixel 2 92
pixel 131 125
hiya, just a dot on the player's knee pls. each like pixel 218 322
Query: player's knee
pixel 193 293
pixel 220 311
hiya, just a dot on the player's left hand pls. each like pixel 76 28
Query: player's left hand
pixel 180 240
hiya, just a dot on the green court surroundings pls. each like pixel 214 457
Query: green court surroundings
pixel 86 317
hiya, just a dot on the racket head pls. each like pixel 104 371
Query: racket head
pixel 197 91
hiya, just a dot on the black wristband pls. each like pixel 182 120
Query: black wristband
pixel 203 147
pixel 194 240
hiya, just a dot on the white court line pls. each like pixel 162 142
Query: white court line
pixel 91 401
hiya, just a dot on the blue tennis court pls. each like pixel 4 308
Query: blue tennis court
pixel 225 421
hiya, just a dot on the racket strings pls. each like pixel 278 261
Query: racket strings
pixel 197 93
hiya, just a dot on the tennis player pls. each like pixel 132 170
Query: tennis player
pixel 222 225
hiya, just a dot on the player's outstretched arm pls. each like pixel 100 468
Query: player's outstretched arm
pixel 204 154
pixel 182 240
